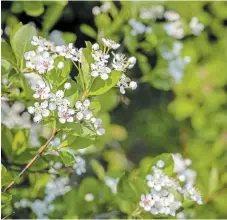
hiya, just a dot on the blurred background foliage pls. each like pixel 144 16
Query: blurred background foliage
pixel 163 115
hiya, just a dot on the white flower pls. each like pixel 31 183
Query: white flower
pixel 96 10
pixel 154 13
pixel 110 43
pixel 119 62
pixel 100 131
pixel 175 29
pixel 69 52
pixel 124 82
pixel 146 202
pixel 111 183
pixel 160 164
pixel 191 192
pixel 67 85
pixel 100 57
pixel 41 90
pixel 83 109
pixel 66 114
pixel 99 69
pixel 133 85
pixel 80 165
pixel 89 197
pixel 28 55
pixel 39 110
pixel 41 62
pixel 195 26
pixel 171 16
pixel 95 46
pixel 132 62
pixel 105 7
pixel 138 27
pixel 61 65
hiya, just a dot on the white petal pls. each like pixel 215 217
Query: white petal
pixel 101 131
pixel 104 76
pixel 70 119
pixel 37 118
pixel 62 120
pixel 45 112
pixel 52 106
pixel 79 116
pixel 31 109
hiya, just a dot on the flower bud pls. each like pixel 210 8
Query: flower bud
pixel 133 85
pixel 67 86
pixel 132 60
pixel 61 65
pixel 95 46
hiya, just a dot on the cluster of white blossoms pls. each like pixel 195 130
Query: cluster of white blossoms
pixel 125 82
pixel 154 12
pixel 165 193
pixel 83 112
pixel 57 101
pixel 195 26
pixel 174 25
pixel 101 67
pixel 138 27
pixel 184 174
pixel 79 165
pixel 54 188
pixel 105 7
pixel 42 59
pixel 176 63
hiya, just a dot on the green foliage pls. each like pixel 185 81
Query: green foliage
pixel 163 116
pixel 21 43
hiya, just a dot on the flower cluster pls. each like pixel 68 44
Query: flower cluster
pixel 120 62
pixel 176 63
pixel 42 59
pixel 174 25
pixel 154 13
pixel 57 101
pixel 165 193
pixel 195 26
pixel 54 188
pixel 184 174
pixel 79 165
pixel 138 27
pixel 124 83
pixel 102 9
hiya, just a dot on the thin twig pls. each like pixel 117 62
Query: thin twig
pixel 7 216
pixel 34 158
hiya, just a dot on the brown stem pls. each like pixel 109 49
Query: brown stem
pixel 41 150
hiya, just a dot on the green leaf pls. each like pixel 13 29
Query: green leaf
pixel 6 178
pixel 213 180
pixel 53 13
pixel 80 143
pixel 19 142
pixel 98 169
pixel 7 53
pixel 14 30
pixel 89 31
pixel 5 198
pixel 21 42
pixel 67 158
pixel 101 86
pixel 33 8
pixel 95 106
